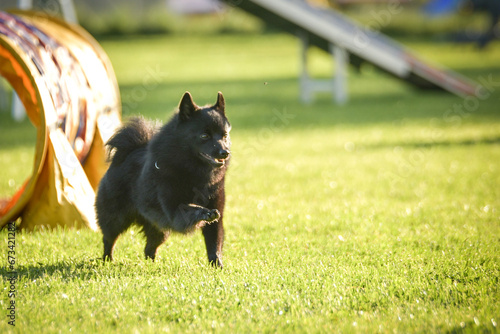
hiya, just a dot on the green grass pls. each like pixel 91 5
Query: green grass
pixel 378 216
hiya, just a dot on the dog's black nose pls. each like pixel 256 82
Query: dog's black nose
pixel 223 154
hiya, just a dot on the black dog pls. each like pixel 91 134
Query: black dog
pixel 168 178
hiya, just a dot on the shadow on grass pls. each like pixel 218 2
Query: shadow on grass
pixel 88 269
pixel 479 74
pixel 252 104
pixel 470 327
pixel 84 269
pixel 432 144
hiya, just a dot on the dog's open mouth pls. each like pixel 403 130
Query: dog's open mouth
pixel 213 161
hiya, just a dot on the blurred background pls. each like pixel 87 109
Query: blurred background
pixel 473 23
pixel 437 19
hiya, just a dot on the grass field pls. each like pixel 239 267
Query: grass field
pixel 381 215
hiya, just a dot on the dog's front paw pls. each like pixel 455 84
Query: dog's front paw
pixel 211 215
pixel 215 262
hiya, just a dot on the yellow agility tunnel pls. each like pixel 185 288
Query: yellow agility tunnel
pixel 69 90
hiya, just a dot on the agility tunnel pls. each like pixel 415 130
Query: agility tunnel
pixel 69 91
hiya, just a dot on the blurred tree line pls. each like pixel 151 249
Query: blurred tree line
pixel 396 18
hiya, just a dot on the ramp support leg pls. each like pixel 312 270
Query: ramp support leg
pixel 341 60
pixel 68 11
pixel 305 82
pixel 18 112
pixel 337 85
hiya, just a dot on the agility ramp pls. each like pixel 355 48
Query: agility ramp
pixel 68 88
pixel 351 43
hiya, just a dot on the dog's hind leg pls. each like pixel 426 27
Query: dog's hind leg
pixel 109 245
pixel 110 232
pixel 154 238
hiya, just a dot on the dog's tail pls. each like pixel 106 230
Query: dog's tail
pixel 136 133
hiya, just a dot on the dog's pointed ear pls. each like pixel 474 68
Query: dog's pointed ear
pixel 220 105
pixel 187 107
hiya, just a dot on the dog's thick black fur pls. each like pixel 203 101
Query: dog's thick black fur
pixel 168 178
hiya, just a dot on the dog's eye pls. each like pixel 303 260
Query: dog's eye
pixel 204 136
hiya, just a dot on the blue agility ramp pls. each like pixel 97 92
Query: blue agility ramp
pixel 352 43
